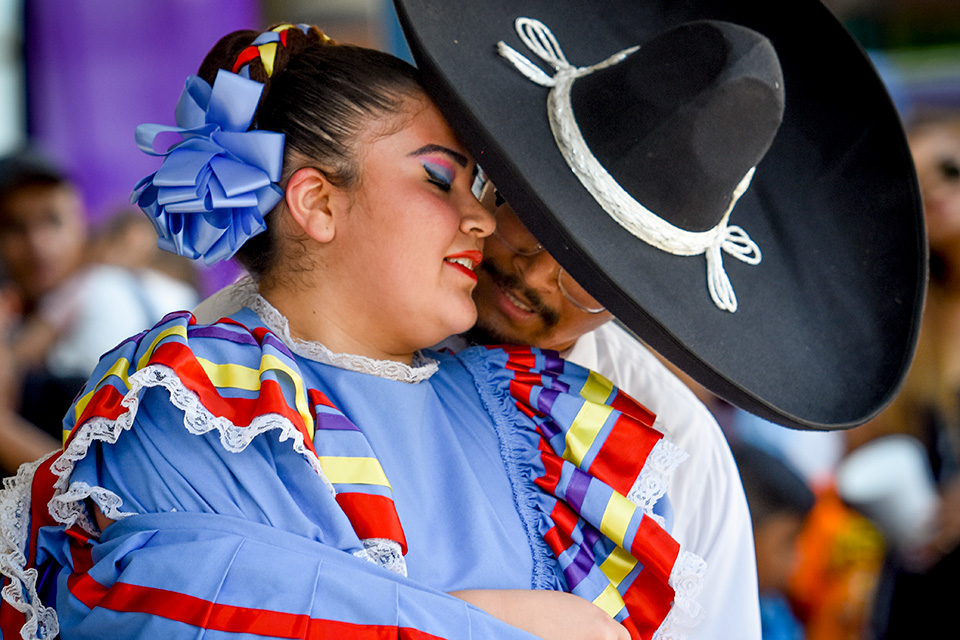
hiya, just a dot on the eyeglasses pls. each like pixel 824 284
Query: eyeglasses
pixel 511 233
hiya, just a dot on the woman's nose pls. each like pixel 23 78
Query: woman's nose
pixel 476 219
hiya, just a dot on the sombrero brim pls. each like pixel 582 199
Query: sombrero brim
pixel 827 322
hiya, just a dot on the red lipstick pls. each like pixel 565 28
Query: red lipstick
pixel 465 262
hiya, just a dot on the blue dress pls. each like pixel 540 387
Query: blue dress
pixel 258 493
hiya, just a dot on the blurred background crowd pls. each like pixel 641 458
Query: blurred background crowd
pixel 841 555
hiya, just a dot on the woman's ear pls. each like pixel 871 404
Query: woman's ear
pixel 314 202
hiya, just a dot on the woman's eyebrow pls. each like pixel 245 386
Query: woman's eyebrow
pixel 457 157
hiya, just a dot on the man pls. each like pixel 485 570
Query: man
pixel 524 297
pixel 62 310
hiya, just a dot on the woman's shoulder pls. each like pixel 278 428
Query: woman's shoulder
pixel 228 372
pixel 235 350
pixel 241 336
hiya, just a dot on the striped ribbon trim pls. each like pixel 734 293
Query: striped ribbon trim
pixel 205 614
pixel 264 47
pixel 239 374
pixel 595 442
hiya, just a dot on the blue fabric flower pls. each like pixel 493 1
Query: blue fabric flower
pixel 215 186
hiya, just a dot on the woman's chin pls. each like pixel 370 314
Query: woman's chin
pixel 459 323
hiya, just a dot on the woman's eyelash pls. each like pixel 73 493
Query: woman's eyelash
pixel 438 175
pixel 444 186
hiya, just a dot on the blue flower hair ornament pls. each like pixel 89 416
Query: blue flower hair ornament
pixel 215 186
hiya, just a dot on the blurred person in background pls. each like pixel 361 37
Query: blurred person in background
pixel 168 282
pixel 65 309
pixel 851 583
pixel 779 501
pixel 19 439
pixel 915 593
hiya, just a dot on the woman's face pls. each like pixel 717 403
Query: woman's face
pixel 407 250
pixel 936 155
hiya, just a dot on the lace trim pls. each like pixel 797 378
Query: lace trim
pixel 654 478
pixel 686 613
pixel 686 578
pixel 63 507
pixel 385 553
pixel 21 592
pixel 67 504
pixel 245 294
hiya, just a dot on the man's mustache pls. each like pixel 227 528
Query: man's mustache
pixel 513 283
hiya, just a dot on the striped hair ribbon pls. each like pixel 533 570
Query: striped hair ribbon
pixel 264 47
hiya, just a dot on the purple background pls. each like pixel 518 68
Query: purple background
pixel 98 68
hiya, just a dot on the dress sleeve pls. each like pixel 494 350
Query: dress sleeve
pixel 711 516
pixel 224 526
pixel 172 574
pixel 591 465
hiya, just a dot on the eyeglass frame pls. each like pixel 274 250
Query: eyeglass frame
pixel 528 253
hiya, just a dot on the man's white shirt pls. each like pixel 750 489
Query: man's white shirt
pixel 710 514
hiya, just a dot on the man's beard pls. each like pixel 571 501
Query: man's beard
pixel 484 332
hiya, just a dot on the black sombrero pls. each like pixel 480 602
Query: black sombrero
pixel 738 190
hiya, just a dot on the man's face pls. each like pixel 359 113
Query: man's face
pixel 518 296
pixel 42 237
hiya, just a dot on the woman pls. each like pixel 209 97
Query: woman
pixel 912 597
pixel 300 468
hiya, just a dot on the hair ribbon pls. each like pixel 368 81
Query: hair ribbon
pixel 264 47
pixel 215 186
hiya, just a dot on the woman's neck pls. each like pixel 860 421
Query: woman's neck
pixel 311 320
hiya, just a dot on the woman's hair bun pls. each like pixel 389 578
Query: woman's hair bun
pixel 292 40
pixel 264 54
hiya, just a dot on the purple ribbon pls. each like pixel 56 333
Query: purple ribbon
pixel 215 186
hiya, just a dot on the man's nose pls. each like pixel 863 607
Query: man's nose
pixel 538 271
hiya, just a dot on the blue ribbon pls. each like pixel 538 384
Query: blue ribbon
pixel 215 186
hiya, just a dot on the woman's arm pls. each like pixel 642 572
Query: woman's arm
pixel 551 615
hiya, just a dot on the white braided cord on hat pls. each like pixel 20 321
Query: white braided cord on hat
pixel 614 199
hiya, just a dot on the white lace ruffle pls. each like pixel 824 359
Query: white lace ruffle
pixel 244 293
pixel 67 506
pixel 21 593
pixel 686 613
pixel 686 578
pixel 652 483
pixel 196 418
pixel 385 553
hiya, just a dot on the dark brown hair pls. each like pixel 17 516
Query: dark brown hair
pixel 322 97
pixel 27 169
